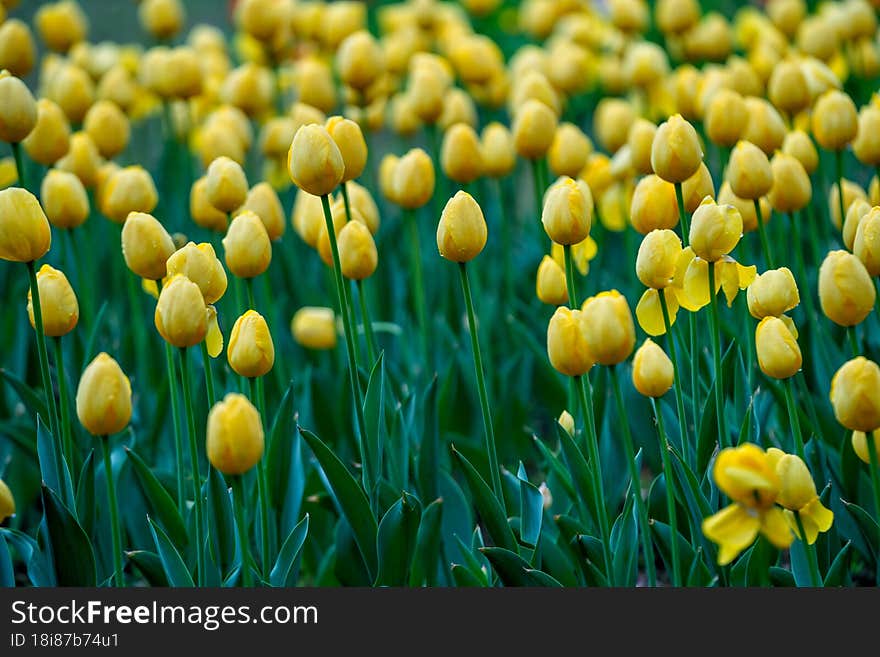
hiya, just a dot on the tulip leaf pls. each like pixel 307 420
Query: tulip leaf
pixel 34 401
pixel 836 575
pixel 707 436
pixel 349 567
pixel 160 503
pixel 283 572
pixel 781 577
pixel 89 351
pixel 531 509
pixel 429 446
pixel 800 564
pixel 53 468
pixel 427 552
pixel 7 574
pixel 221 541
pixel 150 566
pixel 374 416
pixel 555 562
pixel 350 496
pixel 868 526
pixel 625 545
pixel 85 494
pixel 172 563
pixel 582 477
pixel 396 541
pixel 516 571
pixel 557 467
pixel 285 466
pixel 591 550
pixel 465 578
pixel 38 570
pixel 457 517
pixel 487 504
pixel 686 554
pixel 71 548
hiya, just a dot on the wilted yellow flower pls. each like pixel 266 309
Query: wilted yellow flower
pixel 550 283
pixel 350 141
pixel 64 199
pixel 199 263
pixel 24 230
pixel 569 150
pixel 57 302
pixel 226 184
pixel 247 246
pixel 534 126
pixel 653 206
pixel 715 230
pixel 358 257
pixel 235 438
pixel 462 231
pixel 567 212
pixel 797 493
pixel 128 190
pixel 461 156
pixel 726 117
pixel 773 293
pixel 264 202
pixel 314 327
pixel 657 258
pixel 18 109
pixel 181 316
pixel 251 352
pixel 162 18
pixel 860 444
pixel 17 48
pixel 7 502
pixel 846 291
pixel 749 172
pixel 314 161
pixel 779 355
pixel 834 120
pixel 412 179
pixel 653 372
pixel 567 344
pixel 103 398
pixel 608 327
pixel 146 246
pixel 50 139
pixel 676 153
pixel 855 395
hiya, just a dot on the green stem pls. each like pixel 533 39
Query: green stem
pixel 838 161
pixel 762 235
pixel 418 278
pixel 875 472
pixel 238 504
pixel 853 341
pixel 368 325
pixel 682 214
pixel 43 354
pixel 583 385
pixel 114 512
pixel 251 299
pixel 801 264
pixel 723 437
pixel 539 189
pixel 209 375
pixel 788 386
pixel 670 493
pixel 694 368
pixel 19 163
pixel 194 459
pixel 679 395
pixel 569 277
pixel 491 453
pixel 175 418
pixel 66 437
pixel 815 576
pixel 262 487
pixel 342 298
pixel 506 246
pixel 641 508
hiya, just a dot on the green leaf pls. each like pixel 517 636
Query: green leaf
pixel 428 460
pixel 50 462
pixel 172 563
pixel 464 577
pixel 221 518
pixel 837 572
pixel 760 558
pixel 33 401
pixel 374 416
pixel 592 551
pixel 427 554
pixel 7 573
pixel 160 504
pixel 800 563
pixel 89 352
pixel 514 570
pixel 686 555
pixel 150 566
pixel 707 437
pixel 625 545
pixel 556 561
pixel 487 504
pixel 351 498
pixel 288 556
pixel 868 526
pixel 581 477
pixel 278 458
pixel 85 494
pixel 781 577
pixel 71 549
pixel 396 541
pixel 559 469
pixel 531 509
pixel 38 570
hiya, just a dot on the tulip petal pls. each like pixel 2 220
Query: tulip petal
pixel 818 513
pixel 650 314
pixel 733 529
pixel 150 287
pixel 214 337
pixel 789 324
pixel 775 528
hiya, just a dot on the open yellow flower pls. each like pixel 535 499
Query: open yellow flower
pixel 797 493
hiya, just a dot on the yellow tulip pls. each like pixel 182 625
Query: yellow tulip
pixel 162 18
pixel 866 146
pixel 7 502
pixel 773 293
pixel 657 258
pixel 649 311
pixel 362 202
pixel 640 140
pixel 226 187
pixel 73 89
pixel 264 202
pixel 24 230
pixel 350 140
pixel 199 263
pixel 499 154
pixel 608 327
pixel 779 355
pixel 787 14
pixel 108 127
pixel 18 109
pixel 57 301
pixel 412 179
pixel 653 206
pixel 458 107
pixel 652 373
pixel 568 206
pixel 676 153
pixel 64 199
pixel 791 188
pixel 851 193
pixel 460 155
pixel 846 291
pixel 835 122
pixel 798 144
pixel 696 188
pixel 797 494
pixel 765 128
pixel 314 327
pixel 745 207
pixel 314 161
pixel 860 444
pixel 676 16
pixel 726 117
pixel 857 211
pixel 462 231
pixel 248 250
pixel 787 88
pixel 202 212
pixel 359 60
pixel 49 140
pixel 534 126
pixel 358 257
pixel 17 47
pixel 749 172
pixel 550 283
pixel 567 344
pixel 715 230
pixel 251 352
pixel 103 398
pixel 146 246
pixel 314 82
pixel 569 150
pixel 181 316
pixel 612 121
pixel 128 190
pixel 307 217
pixel 235 438
pixel 855 395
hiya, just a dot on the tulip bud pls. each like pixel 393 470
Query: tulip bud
pixel 24 230
pixel 779 355
pixel 746 208
pixel 314 328
pixel 202 212
pixel 362 202
pixel 227 185
pixel 846 291
pixel 247 246
pixel 612 121
pixel 791 188
pixel 834 121
pixel 765 128
pixel 18 109
pixel 128 190
pixel 855 395
pixel 569 151
pixel 263 201
pixel 7 502
pixel 857 211
pixel 460 156
pixel 103 398
pixel 867 143
pixel 534 126
pixel 412 179
pixel 640 140
pixel 50 139
pixel 851 193
pixel 146 246
pixel 568 206
pixel 653 205
pixel 715 230
pixel 458 107
pixel 108 127
pixel 696 188
pixel 73 89
pixel 608 327
pixel 859 444
pixel 749 172
pixel 359 60
pixel 550 286
pixel 499 155
pixel 653 373
pixel 235 438
pixel 357 251
pixel 866 245
pixel 798 144
pixel 314 161
pixel 350 140
pixel 773 293
pixel 57 302
pixel 199 263
pixel 64 199
pixel 162 18
pixel 567 343
pixel 676 153
pixel 726 117
pixel 181 316
pixel 787 88
pixel 462 232
pixel 657 258
pixel 428 83
pixel 251 352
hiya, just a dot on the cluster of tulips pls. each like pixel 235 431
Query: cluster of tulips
pixel 552 135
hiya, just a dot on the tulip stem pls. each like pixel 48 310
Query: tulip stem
pixel 838 162
pixel 788 386
pixel 175 419
pixel 569 277
pixel 815 576
pixel 114 512
pixel 679 395
pixel 875 472
pixel 251 298
pixel 694 368
pixel 853 341
pixel 342 298
pixel 641 508
pixel 238 505
pixel 583 385
pixel 539 188
pixel 491 452
pixel 209 375
pixel 418 279
pixel 716 354
pixel 43 354
pixel 194 458
pixel 19 163
pixel 368 326
pixel 262 482
pixel 66 440
pixel 762 235
pixel 682 214
pixel 670 493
